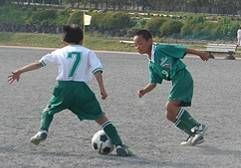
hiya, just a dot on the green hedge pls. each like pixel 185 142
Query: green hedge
pixel 154 25
pixel 112 21
pixel 76 18
pixel 198 27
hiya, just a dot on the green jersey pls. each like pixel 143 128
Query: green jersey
pixel 165 62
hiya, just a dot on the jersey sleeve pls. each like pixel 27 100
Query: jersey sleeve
pixel 153 77
pixel 175 51
pixel 94 63
pixel 49 58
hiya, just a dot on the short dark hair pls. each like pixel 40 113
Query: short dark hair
pixel 73 34
pixel 144 33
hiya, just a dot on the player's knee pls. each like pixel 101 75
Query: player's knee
pixel 169 107
pixel 170 116
pixel 171 111
pixel 102 119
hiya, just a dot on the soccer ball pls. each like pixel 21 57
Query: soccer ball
pixel 101 142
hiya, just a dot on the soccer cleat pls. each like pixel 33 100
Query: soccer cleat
pixel 199 133
pixel 187 142
pixel 197 137
pixel 123 150
pixel 40 136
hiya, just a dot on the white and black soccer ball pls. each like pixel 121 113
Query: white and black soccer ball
pixel 101 143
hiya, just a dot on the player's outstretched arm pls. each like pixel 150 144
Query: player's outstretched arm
pixel 98 76
pixel 15 75
pixel 203 55
pixel 149 87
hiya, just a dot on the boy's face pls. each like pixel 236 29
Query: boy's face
pixel 142 45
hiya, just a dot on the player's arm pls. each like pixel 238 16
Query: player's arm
pixel 99 78
pixel 203 55
pixel 149 87
pixel 15 75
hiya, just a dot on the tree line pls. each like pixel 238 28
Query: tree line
pixel 119 24
pixel 230 7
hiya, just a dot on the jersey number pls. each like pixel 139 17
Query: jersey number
pixel 76 56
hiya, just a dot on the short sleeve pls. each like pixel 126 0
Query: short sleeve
pixel 94 63
pixel 49 58
pixel 175 51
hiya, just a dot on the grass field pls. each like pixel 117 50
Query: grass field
pixel 92 41
pixel 95 42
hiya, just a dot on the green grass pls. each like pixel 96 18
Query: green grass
pixel 94 42
pixel 30 40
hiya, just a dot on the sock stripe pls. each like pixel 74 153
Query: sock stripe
pixel 179 114
pixel 177 122
pixel 105 124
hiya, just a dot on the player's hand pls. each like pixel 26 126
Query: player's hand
pixel 15 76
pixel 103 94
pixel 204 56
pixel 141 93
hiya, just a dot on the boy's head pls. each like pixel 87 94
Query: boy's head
pixel 143 41
pixel 73 34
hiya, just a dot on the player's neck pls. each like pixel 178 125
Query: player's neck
pixel 149 52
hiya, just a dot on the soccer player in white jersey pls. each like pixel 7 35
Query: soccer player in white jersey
pixel 75 65
pixel 239 36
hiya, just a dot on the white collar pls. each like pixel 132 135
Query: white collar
pixel 152 52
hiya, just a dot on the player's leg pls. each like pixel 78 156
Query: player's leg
pixel 46 118
pixel 192 127
pixel 110 130
pixel 180 117
pixel 87 107
pixel 179 97
pixel 92 111
pixel 184 121
pixel 54 106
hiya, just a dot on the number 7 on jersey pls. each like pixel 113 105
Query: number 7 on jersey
pixel 76 56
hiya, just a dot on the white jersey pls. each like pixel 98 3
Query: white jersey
pixel 239 33
pixel 75 63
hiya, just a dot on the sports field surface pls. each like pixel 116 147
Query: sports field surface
pixel 141 122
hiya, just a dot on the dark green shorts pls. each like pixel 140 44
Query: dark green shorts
pixel 77 97
pixel 182 88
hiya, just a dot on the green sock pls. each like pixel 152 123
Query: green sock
pixel 46 120
pixel 185 121
pixel 111 131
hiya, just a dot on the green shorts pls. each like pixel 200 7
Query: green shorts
pixel 77 97
pixel 182 88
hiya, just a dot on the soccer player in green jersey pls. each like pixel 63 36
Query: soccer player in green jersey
pixel 165 64
pixel 76 64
